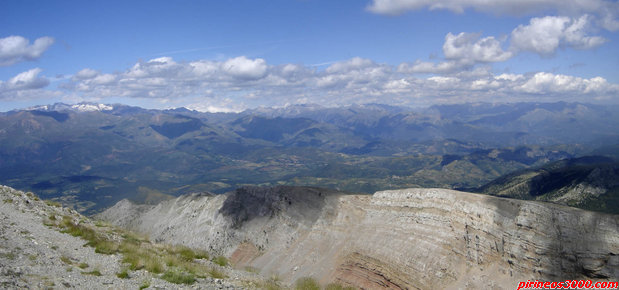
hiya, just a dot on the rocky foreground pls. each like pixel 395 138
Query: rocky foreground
pixel 413 238
pixel 45 246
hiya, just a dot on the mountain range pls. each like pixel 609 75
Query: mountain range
pixel 89 156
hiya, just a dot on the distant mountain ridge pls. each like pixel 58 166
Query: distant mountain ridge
pixel 91 155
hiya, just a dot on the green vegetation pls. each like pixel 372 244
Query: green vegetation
pixel 66 260
pixel 32 257
pixel 178 277
pixel 124 274
pixel 214 273
pixel 221 261
pixel 177 263
pixel 306 283
pixel 9 255
pixel 7 200
pixel 94 272
pixel 145 284
pixel 273 283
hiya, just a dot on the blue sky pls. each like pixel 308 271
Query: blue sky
pixel 233 55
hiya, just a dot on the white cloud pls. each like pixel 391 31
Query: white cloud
pixel 209 86
pixel 445 67
pixel 544 35
pixel 607 9
pixel 86 74
pixel 355 63
pixel 27 80
pixel 469 47
pixel 545 83
pixel 14 49
pixel 462 52
pixel 244 68
pixel 27 84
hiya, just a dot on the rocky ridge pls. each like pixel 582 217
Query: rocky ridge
pixel 36 254
pixel 406 239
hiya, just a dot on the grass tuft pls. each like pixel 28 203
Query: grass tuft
pixel 124 274
pixel 66 260
pixel 221 261
pixel 178 277
pixel 214 273
pixel 306 283
pixel 94 272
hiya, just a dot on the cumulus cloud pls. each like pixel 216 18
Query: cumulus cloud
pixel 27 80
pixel 244 68
pixel 462 52
pixel 25 84
pixel 211 86
pixel 544 35
pixel 14 49
pixel 543 83
pixel 469 46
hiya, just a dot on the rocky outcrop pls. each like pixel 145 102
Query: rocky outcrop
pixel 400 239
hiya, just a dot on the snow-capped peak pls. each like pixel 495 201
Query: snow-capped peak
pixel 86 107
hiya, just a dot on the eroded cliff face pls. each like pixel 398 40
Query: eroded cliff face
pixel 413 238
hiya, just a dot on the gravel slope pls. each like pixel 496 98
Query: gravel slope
pixel 33 255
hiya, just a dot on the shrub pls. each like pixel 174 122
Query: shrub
pixel 306 283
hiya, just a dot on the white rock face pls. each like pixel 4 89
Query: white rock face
pixel 413 238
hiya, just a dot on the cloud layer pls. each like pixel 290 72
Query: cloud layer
pixel 241 82
pixel 14 49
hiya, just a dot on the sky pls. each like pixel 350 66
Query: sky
pixel 223 56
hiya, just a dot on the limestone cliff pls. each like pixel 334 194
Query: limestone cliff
pixel 412 238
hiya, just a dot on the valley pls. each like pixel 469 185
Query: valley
pixel 91 159
pixel 369 197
